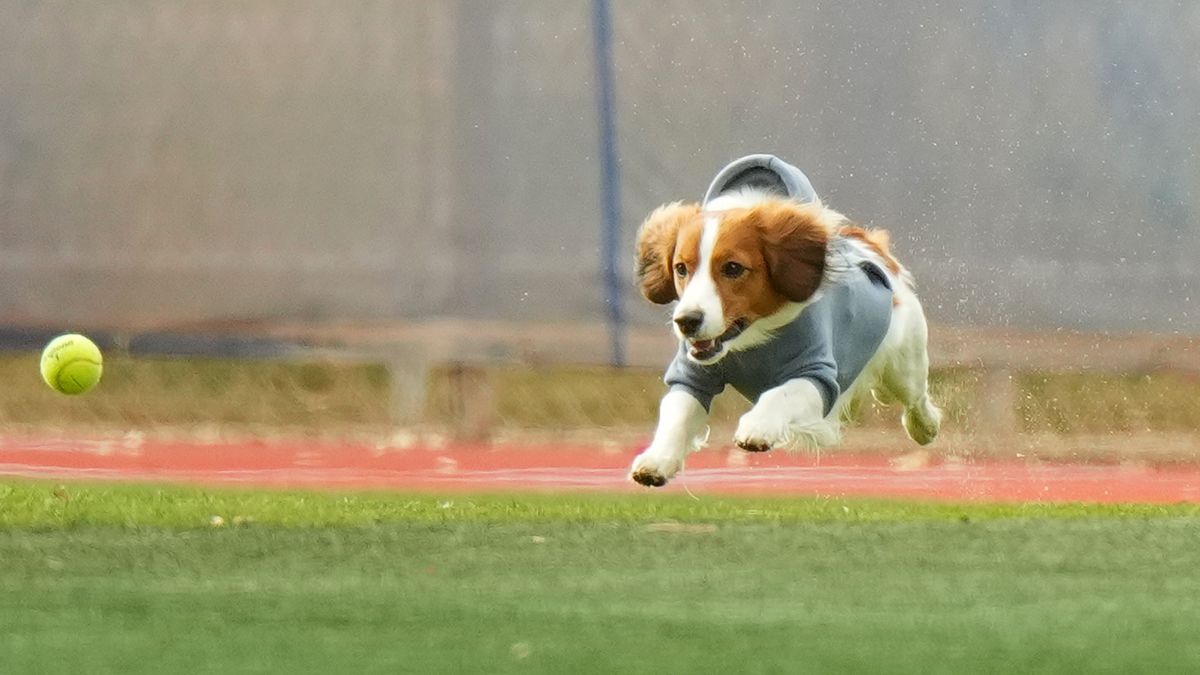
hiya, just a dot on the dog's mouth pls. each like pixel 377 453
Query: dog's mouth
pixel 704 350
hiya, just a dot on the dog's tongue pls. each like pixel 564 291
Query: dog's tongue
pixel 700 347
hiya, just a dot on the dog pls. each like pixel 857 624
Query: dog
pixel 788 302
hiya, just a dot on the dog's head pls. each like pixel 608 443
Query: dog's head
pixel 733 266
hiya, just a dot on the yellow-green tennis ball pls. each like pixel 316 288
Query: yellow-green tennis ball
pixel 71 364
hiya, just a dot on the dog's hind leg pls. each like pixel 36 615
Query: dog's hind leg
pixel 905 375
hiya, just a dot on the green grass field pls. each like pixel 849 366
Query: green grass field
pixel 102 579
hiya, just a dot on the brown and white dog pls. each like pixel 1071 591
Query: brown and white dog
pixel 744 265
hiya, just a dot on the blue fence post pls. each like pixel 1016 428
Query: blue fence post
pixel 610 186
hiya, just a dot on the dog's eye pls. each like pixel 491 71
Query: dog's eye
pixel 732 270
pixel 681 269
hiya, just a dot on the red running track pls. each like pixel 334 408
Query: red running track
pixel 313 464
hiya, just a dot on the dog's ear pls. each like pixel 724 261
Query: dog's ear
pixel 794 241
pixel 656 248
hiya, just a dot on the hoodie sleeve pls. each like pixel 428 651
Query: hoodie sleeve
pixel 811 353
pixel 702 382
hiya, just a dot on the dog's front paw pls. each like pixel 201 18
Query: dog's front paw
pixel 758 432
pixel 653 469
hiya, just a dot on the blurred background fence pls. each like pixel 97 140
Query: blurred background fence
pixel 417 184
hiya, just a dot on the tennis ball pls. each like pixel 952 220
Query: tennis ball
pixel 71 364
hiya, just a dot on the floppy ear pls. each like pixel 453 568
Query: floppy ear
pixel 656 248
pixel 794 240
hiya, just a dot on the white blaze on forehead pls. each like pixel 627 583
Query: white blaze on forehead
pixel 701 296
pixel 742 199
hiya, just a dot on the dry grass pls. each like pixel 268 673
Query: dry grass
pixel 1059 414
pixel 1062 403
pixel 148 393
pixel 1073 403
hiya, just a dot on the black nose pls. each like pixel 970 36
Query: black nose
pixel 689 323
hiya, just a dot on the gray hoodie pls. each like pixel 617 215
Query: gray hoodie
pixel 830 341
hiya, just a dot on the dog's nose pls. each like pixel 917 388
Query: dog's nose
pixel 689 323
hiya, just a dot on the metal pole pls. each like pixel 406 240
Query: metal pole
pixel 610 187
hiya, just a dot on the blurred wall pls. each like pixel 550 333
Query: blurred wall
pixel 184 162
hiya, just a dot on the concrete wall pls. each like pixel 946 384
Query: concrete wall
pixel 182 162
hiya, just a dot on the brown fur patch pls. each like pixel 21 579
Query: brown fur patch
pixel 780 246
pixel 687 251
pixel 879 241
pixel 793 238
pixel 751 295
pixel 656 248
